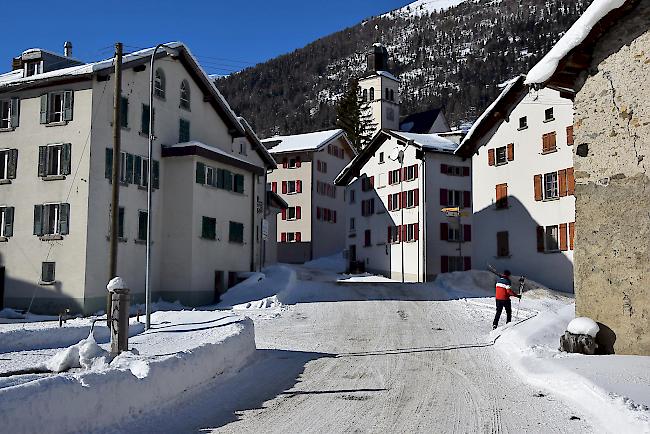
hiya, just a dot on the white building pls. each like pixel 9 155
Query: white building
pixel 394 216
pixel 209 177
pixel 522 182
pixel 313 225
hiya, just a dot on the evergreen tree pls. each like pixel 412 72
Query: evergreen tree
pixel 353 115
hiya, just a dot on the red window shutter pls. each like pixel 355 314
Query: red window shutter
pixel 297 161
pixel 490 157
pixel 298 212
pixel 403 199
pixel 444 264
pixel 416 231
pixel 298 237
pixel 444 231
pixel 390 202
pixel 570 182
pixel 467 233
pixel 443 169
pixel 284 214
pixel 511 151
pixel 563 239
pixel 415 171
pixel 285 163
pixel 274 187
pixel 416 193
pixel 283 237
pixel 298 186
pixel 572 227
pixel 372 182
pixel 468 263
pixel 561 174
pixel 284 187
pixel 443 196
pixel 540 238
pixel 404 233
pixel 465 171
pixel 403 176
pixel 467 199
pixel 537 181
pixel 569 135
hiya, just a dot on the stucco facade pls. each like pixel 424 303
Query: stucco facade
pixel 381 91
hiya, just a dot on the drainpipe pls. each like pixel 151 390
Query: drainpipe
pixel 253 227
pixel 423 208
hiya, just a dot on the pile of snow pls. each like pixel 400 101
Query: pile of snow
pixel 9 313
pixel 335 263
pixel 571 39
pixel 84 355
pixel 260 290
pixel 116 284
pixel 583 326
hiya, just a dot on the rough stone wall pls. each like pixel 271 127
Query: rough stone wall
pixel 612 163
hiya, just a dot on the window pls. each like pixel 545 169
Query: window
pixel 47 272
pixel 367 183
pixel 120 222
pixel 236 233
pixel 393 234
pixel 501 155
pixel 455 263
pixel 142 225
pixel 381 180
pixel 550 186
pixel 291 187
pixel 290 237
pixel 551 239
pixel 365 95
pixel 412 198
pixel 52 219
pixel 209 228
pixel 549 143
pixel 372 94
pixel 293 213
pixel 243 149
pixel 33 68
pixel 367 207
pixel 183 131
pixel 454 233
pixel 185 95
pixel 124 112
pixel 523 122
pixel 411 232
pixel 503 247
pixel 9 109
pixel 54 160
pixel 353 199
pixel 294 163
pixel 133 169
pixel 392 95
pixel 56 107
pixel 144 122
pixel 501 196
pixel 394 176
pixel 367 241
pixel 238 184
pixel 454 170
pixel 411 172
pixel 548 115
pixel 6 221
pixel 8 162
pixel 394 202
pixel 352 223
pixel 381 157
pixel 454 198
pixel 321 166
pixel 159 84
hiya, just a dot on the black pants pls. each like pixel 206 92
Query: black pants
pixel 500 305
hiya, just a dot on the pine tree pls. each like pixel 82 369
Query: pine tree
pixel 354 116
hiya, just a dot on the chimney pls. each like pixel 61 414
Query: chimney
pixel 67 49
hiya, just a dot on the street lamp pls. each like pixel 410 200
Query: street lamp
pixel 147 282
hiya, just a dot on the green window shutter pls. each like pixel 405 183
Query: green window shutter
pixel 44 109
pixel 227 180
pixel 137 170
pixel 64 219
pixel 15 112
pixel 220 178
pixel 239 183
pixel 129 169
pixel 144 122
pixel 231 232
pixel 124 112
pixel 240 232
pixel 120 222
pixel 67 105
pixel 155 175
pixel 183 131
pixel 66 158
pixel 9 221
pixel 13 163
pixel 209 228
pixel 108 166
pixel 142 225
pixel 38 220
pixel 42 161
pixel 204 227
pixel 200 173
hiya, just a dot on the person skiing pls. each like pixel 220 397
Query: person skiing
pixel 503 293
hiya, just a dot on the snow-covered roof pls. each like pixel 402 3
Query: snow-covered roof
pixel 431 142
pixel 212 152
pixel 546 67
pixel 301 142
pixel 209 148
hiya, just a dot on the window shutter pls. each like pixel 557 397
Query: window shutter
pixel 298 186
pixel 298 212
pixel 42 161
pixel 298 162
pixel 443 169
pixel 404 233
pixel 403 199
pixel 285 163
pixel 15 112
pixel 38 219
pixel 444 264
pixel 64 219
pixel 467 199
pixel 416 196
pixel 415 171
pixel 274 187
pixel 572 227
pixel 467 233
pixel 124 112
pixel 563 241
pixel 416 231
pixel 569 135
pixel 155 174
pixel 67 105
pixel 490 157
pixel 108 164
pixel 552 141
pixel 372 182
pixel 144 119
pixel 443 196
pixel 544 142
pixel 44 109
pixel 540 238
pixel 561 174
pixel 129 169
pixel 13 163
pixel 537 180
pixel 570 181
pixel 9 221
pixel 444 231
pixel 200 173
pixel 511 151
pixel 284 187
pixel 66 158
pixel 283 237
pixel 402 174
pixel 284 214
pixel 390 202
pixel 137 170
pixel 298 237
pixel 467 260
pixel 465 171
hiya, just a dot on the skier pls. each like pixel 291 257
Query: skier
pixel 503 293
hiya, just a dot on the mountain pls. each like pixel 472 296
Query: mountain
pixel 451 58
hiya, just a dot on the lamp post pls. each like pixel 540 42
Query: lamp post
pixel 147 281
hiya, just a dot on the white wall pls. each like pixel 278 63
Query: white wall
pixel 380 106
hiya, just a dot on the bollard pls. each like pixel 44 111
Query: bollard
pixel 119 315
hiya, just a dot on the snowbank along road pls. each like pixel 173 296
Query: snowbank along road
pixel 371 357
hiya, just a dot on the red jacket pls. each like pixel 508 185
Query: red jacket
pixel 504 289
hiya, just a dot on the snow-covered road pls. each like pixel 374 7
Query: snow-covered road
pixel 382 358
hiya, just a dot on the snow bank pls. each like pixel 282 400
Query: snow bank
pixel 335 263
pixel 260 290
pixel 9 313
pixel 583 326
pixel 81 355
pixel 113 394
pixel 571 39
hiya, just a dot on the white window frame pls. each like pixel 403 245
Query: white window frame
pixel 5 123
pixel 35 66
pixel 551 236
pixel 452 195
pixel 144 172
pixel 381 158
pixel 291 210
pixel 137 235
pixel 56 227
pixel 210 175
pixel 293 163
pixel 243 150
pixel 394 177
pixel 159 84
pixel 410 173
pixel 185 97
pixel 55 111
pixel 290 189
pixel 381 180
pixel 4 155
pixel 3 218
pixel 523 125
pixel 455 263
pixel 291 237
pixel 54 156
pixel 123 158
pixel 395 234
pixel 410 232
pixel 454 233
pixel 394 202
pixel 410 199
pixel 505 155
pixel 551 188
pixel 546 113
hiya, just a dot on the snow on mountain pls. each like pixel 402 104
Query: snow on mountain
pixel 425 7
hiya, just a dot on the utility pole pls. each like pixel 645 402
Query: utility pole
pixel 115 175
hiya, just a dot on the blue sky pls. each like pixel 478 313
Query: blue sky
pixel 225 35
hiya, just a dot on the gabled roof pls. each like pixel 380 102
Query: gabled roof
pixel 421 122
pixel 308 142
pixel 491 119
pixel 212 153
pixel 426 142
pixel 573 53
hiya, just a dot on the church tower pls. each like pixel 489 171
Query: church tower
pixel 380 89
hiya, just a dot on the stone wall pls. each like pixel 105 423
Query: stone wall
pixel 612 163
